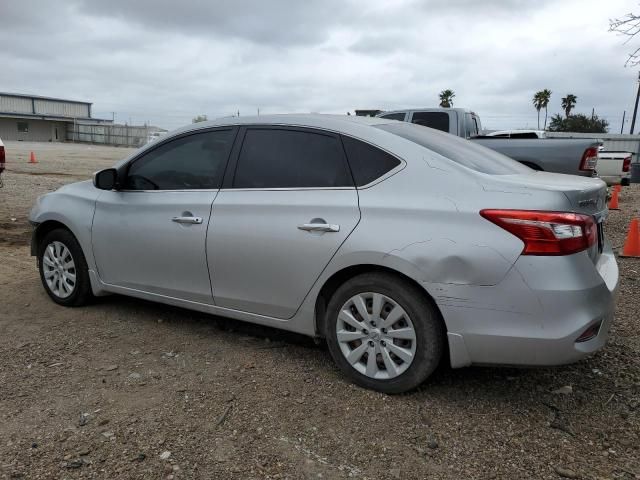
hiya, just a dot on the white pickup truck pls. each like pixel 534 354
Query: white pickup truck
pixel 614 167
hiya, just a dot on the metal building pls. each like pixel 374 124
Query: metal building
pixel 41 119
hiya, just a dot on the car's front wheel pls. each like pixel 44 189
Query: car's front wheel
pixel 63 269
pixel 384 333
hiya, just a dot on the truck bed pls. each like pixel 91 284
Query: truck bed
pixel 553 155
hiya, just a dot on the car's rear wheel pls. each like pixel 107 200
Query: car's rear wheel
pixel 63 269
pixel 384 333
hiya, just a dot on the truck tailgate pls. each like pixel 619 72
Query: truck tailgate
pixel 559 155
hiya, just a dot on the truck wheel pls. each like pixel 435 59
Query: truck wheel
pixel 63 269
pixel 383 332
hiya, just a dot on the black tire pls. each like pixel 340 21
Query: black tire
pixel 427 323
pixel 81 294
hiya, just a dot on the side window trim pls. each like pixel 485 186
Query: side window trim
pixel 232 165
pixel 381 178
pixel 123 170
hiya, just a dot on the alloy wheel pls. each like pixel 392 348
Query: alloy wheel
pixel 59 269
pixel 376 335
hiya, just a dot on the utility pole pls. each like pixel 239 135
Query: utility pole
pixel 635 109
pixel 622 126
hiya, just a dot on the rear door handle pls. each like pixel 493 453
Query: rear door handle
pixel 319 227
pixel 188 220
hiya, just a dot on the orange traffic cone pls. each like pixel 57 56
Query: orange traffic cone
pixel 617 188
pixel 32 158
pixel 632 243
pixel 613 203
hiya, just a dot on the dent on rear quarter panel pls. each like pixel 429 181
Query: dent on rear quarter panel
pixel 73 206
pixel 429 218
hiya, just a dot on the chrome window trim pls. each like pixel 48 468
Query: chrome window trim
pixel 284 189
pixel 210 190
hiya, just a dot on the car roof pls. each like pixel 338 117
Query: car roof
pixel 317 120
pixel 355 126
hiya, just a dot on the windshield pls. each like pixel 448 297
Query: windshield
pixel 458 150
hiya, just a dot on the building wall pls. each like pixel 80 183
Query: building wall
pixel 15 104
pixel 11 104
pixel 49 107
pixel 39 130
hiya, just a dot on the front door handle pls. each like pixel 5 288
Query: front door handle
pixel 188 220
pixel 319 227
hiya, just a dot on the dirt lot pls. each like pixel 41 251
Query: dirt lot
pixel 130 389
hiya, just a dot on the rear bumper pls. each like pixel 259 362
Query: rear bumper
pixel 535 315
pixel 611 179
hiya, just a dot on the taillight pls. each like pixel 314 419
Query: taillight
pixel 626 163
pixel 589 159
pixel 2 159
pixel 547 233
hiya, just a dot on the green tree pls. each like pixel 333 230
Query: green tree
pixel 546 97
pixel 537 104
pixel 446 98
pixel 541 100
pixel 568 103
pixel 199 118
pixel 578 123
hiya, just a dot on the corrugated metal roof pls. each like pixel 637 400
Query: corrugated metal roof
pixel 40 97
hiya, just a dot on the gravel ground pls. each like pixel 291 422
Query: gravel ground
pixel 130 389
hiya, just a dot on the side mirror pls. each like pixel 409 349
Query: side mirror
pixel 105 179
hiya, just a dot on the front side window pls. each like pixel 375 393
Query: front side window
pixel 279 158
pixel 195 161
pixel 437 120
pixel 367 162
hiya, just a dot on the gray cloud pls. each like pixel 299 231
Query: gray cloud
pixel 276 22
pixel 166 61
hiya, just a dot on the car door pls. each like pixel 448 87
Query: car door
pixel 149 235
pixel 288 204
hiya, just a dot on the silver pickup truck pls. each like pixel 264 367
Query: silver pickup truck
pixel 560 155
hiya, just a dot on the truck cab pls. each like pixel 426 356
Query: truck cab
pixel 457 121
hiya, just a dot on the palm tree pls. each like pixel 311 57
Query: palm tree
pixel 538 104
pixel 546 97
pixel 568 103
pixel 446 98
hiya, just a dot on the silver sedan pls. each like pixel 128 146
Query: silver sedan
pixel 400 245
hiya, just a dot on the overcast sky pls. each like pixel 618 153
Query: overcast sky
pixel 168 61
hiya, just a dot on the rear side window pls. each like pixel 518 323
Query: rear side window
pixel 192 162
pixel 394 116
pixel 367 162
pixel 471 126
pixel 459 150
pixel 437 120
pixel 279 158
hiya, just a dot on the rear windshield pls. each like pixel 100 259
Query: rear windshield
pixel 461 151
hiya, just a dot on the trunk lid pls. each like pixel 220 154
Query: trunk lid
pixel 585 195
